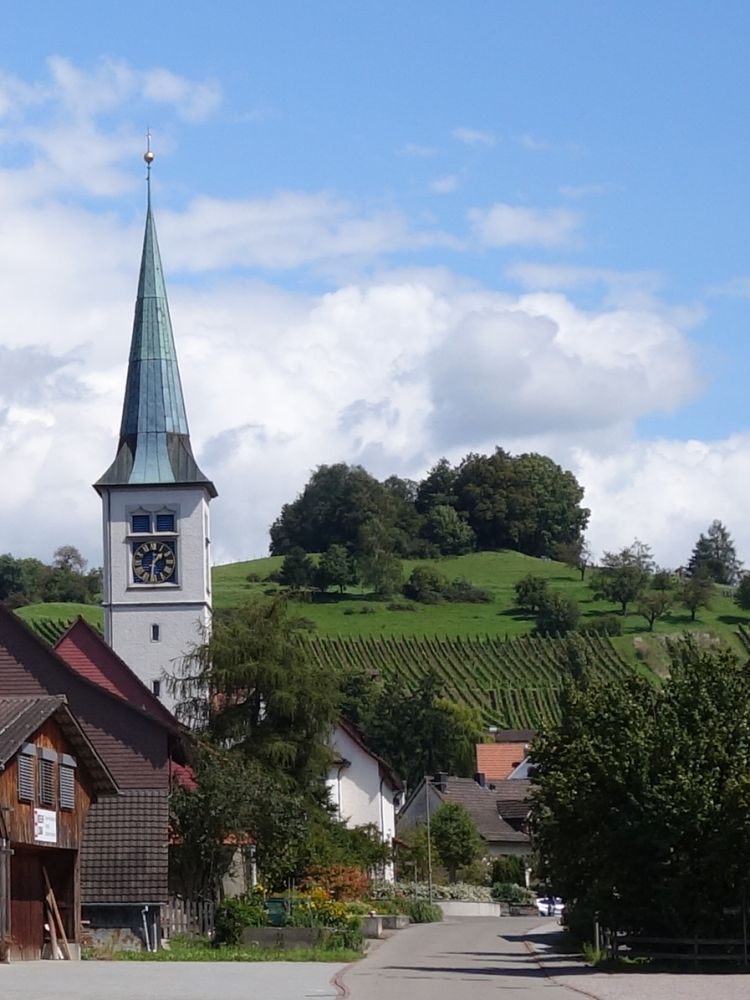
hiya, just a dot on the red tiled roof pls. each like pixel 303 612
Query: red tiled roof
pixel 181 774
pixel 86 652
pixel 496 760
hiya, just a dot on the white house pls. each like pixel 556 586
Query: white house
pixel 362 787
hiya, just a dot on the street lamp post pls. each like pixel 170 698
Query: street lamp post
pixel 429 838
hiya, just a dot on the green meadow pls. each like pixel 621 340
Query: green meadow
pixel 357 613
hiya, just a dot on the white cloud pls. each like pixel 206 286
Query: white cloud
pixel 444 185
pixel 474 136
pixel 287 230
pixel 504 225
pixel 194 101
pixel 61 123
pixel 391 371
pixel 666 492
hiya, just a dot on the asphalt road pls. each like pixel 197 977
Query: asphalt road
pixel 459 959
pixel 167 981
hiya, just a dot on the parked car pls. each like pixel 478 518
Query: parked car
pixel 549 906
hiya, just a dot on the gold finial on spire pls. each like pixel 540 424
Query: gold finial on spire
pixel 148 156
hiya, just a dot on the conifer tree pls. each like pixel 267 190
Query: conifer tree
pixel 715 556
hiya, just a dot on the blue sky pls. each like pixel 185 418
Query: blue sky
pixel 391 232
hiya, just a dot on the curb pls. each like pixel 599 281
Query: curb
pixel 337 980
pixel 537 959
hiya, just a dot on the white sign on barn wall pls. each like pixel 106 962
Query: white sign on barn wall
pixel 45 826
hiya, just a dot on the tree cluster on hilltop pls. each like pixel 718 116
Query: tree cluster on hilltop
pixel 525 502
pixel 27 581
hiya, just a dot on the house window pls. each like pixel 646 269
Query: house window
pixel 140 523
pixel 67 782
pixel 156 687
pixel 47 760
pixel 165 522
pixel 155 633
pixel 25 767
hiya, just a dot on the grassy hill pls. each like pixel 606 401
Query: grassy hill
pixel 482 652
pixel 357 614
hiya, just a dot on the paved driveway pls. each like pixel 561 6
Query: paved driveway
pixel 167 980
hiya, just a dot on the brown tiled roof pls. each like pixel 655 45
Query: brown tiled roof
pixel 481 804
pixel 514 735
pixel 513 810
pixel 517 789
pixel 496 760
pixel 124 855
pixel 20 718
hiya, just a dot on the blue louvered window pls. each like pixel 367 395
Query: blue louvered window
pixel 141 523
pixel 165 522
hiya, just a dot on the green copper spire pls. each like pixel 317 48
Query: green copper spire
pixel 154 438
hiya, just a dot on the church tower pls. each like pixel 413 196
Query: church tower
pixel 157 567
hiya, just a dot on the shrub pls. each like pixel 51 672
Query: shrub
pixel 254 578
pixel 423 912
pixel 509 892
pixel 349 938
pixel 408 890
pixel 396 606
pixel 463 591
pixel 426 585
pixel 316 909
pixel 508 868
pixel 234 915
pixel 341 882
pixel 530 592
pixel 603 625
pixel 558 614
pixel 367 610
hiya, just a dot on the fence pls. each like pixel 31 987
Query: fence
pixel 694 949
pixel 188 917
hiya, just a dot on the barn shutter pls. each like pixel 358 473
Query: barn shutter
pixel 67 783
pixel 26 764
pixel 47 761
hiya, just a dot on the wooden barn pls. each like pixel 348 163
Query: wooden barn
pixel 50 774
pixel 124 860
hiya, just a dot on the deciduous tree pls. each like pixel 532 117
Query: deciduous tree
pixel 642 803
pixel 455 837
pixel 695 592
pixel 623 576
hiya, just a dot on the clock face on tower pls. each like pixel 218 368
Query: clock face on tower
pixel 153 562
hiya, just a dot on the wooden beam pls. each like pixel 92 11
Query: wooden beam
pixel 56 912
